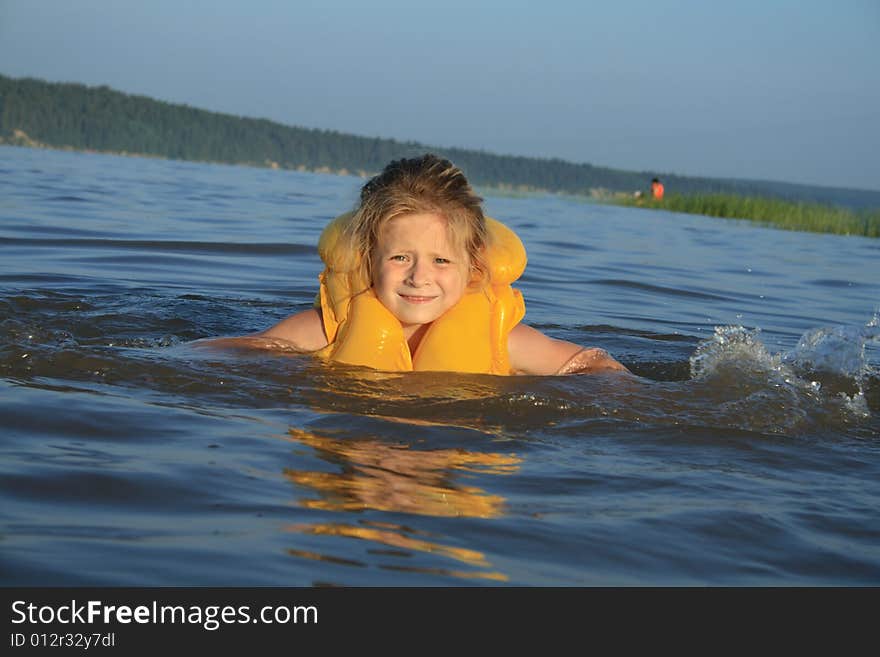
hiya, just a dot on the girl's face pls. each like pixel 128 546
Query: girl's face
pixel 417 273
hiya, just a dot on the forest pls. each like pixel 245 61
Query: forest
pixel 70 115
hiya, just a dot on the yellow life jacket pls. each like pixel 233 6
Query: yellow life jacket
pixel 469 337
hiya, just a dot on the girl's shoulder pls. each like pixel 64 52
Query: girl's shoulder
pixel 304 329
pixel 532 352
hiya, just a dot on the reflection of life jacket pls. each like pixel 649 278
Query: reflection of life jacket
pixel 469 337
pixel 657 190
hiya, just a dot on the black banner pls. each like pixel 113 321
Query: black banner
pixel 132 620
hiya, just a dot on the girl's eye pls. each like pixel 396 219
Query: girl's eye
pixel 442 261
pixel 399 258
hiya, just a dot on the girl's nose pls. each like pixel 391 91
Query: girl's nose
pixel 419 273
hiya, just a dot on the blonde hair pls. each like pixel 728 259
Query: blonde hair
pixel 426 184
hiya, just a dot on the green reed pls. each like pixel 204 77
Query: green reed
pixel 789 215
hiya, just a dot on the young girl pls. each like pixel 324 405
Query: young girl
pixel 418 279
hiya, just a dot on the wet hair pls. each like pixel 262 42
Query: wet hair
pixel 426 184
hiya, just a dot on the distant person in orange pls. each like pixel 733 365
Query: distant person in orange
pixel 657 189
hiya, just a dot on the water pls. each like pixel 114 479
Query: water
pixel 746 453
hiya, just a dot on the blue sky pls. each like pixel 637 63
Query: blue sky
pixel 770 89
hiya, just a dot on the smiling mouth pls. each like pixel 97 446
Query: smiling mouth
pixel 416 299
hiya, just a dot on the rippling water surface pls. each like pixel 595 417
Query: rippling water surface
pixel 746 452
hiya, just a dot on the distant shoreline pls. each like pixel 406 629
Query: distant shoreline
pixel 809 217
pixel 22 140
pixel 101 119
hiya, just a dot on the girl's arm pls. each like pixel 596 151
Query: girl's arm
pixel 303 332
pixel 532 352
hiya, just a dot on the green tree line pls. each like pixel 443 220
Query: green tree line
pixel 69 115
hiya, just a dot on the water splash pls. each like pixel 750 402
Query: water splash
pixel 836 350
pixel 823 379
pixel 733 347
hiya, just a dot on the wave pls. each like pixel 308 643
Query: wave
pixel 825 379
pixel 140 343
